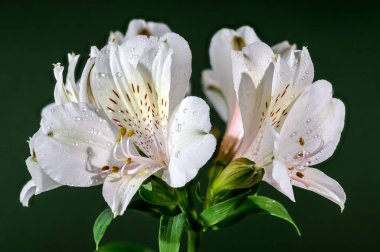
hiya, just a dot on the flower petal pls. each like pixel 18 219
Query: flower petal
pixel 253 60
pixel 313 126
pixel 141 27
pixel 190 145
pixel 77 141
pixel 254 103
pixel 279 178
pixel 42 181
pixel 27 192
pixel 119 190
pixel 284 49
pixel 316 181
pixel 215 94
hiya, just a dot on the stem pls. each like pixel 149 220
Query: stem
pixel 193 241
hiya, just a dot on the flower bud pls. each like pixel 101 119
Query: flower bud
pixel 241 173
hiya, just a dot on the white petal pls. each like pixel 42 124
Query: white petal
pixel 116 37
pixel 313 126
pixel 253 60
pixel 71 85
pixel 77 141
pixel 118 191
pixel 254 101
pixel 85 91
pixel 190 144
pixel 140 27
pixel 215 94
pixel 27 192
pixel 316 181
pixel 284 49
pixel 42 181
pixel 60 94
pixel 180 68
pixel 279 178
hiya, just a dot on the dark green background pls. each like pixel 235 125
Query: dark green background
pixel 343 39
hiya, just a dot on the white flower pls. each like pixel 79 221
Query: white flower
pixel 81 144
pixel 139 27
pixel 289 123
pixel 228 50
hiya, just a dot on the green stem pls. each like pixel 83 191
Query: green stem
pixel 193 241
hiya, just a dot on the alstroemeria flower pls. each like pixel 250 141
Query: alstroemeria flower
pixel 139 27
pixel 159 130
pixel 218 82
pixel 284 113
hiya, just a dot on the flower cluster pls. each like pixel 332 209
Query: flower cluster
pixel 129 123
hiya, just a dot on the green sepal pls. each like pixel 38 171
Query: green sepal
pixel 157 192
pixel 101 224
pixel 241 174
pixel 170 232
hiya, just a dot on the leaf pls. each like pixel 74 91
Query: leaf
pixel 124 247
pixel 101 224
pixel 170 232
pixel 157 193
pixel 221 211
pixel 198 194
pixel 254 204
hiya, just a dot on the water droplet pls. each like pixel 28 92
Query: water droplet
pixel 308 120
pixel 307 72
pixel 132 49
pixel 316 158
pixel 184 110
pixel 301 168
pixel 308 163
pixel 316 136
pixel 119 75
pixel 177 153
pixel 309 131
pixel 293 134
pixel 292 97
pixel 83 109
pixel 194 113
pixel 77 118
pixel 107 51
pixel 97 110
pixel 178 127
pixel 303 78
pixel 102 75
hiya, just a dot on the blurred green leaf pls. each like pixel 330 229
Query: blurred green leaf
pixel 198 193
pixel 170 232
pixel 124 247
pixel 101 224
pixel 158 193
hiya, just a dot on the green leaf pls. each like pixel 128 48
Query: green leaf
pixel 158 193
pixel 124 247
pixel 170 232
pixel 198 194
pixel 254 204
pixel 101 224
pixel 221 211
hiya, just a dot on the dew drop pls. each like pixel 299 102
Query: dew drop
pixel 101 75
pixel 77 118
pixel 292 97
pixel 308 163
pixel 177 153
pixel 184 110
pixel 194 113
pixel 303 78
pixel 307 72
pixel 119 75
pixel 308 132
pixel 308 120
pixel 293 134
